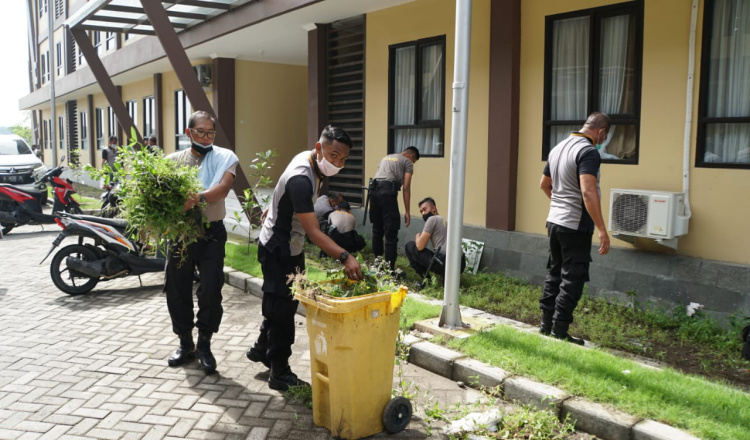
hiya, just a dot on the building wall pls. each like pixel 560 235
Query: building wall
pixel 137 91
pixel 717 213
pixel 271 112
pixel 434 18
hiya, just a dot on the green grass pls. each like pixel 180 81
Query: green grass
pixel 707 409
pixel 414 310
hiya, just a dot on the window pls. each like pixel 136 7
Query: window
pixel 182 118
pixel 59 8
pixel 59 59
pixel 110 42
pixel 99 128
pixel 45 134
pixel 43 62
pixel 724 103
pixel 42 7
pixel 84 130
pixel 133 111
pixel 97 41
pixel 593 63
pixel 111 122
pixel 416 84
pixel 61 130
pixel 81 58
pixel 148 116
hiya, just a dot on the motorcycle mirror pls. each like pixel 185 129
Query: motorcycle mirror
pixel 62 160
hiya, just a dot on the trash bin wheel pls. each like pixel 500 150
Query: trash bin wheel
pixel 397 414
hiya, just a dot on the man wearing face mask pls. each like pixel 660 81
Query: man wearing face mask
pixel 571 182
pixel 291 216
pixel 435 232
pixel 217 170
pixel 394 173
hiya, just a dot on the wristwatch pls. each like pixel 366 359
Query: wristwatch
pixel 342 258
pixel 202 199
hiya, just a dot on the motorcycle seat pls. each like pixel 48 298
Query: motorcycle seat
pixel 116 222
pixel 33 192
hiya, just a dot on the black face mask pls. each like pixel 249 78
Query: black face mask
pixel 201 149
pixel 426 216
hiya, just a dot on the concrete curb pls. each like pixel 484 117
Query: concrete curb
pixel 603 422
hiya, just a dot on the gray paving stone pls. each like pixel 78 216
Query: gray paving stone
pixel 475 373
pixel 433 358
pixel 536 394
pixel 651 430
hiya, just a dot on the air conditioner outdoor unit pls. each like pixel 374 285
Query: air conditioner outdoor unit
pixel 203 72
pixel 652 214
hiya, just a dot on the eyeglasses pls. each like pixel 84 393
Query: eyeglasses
pixel 206 134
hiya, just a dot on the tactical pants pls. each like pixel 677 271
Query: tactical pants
pixel 386 221
pixel 208 255
pixel 420 260
pixel 279 306
pixel 567 271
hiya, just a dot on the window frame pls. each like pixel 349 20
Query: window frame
pixel 132 106
pixel 61 130
pixel 59 58
pixel 111 123
pixel 84 129
pixel 703 120
pixel 596 15
pixel 99 127
pixel 149 105
pixel 181 99
pixel 45 135
pixel 418 121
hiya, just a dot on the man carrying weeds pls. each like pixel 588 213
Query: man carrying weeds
pixel 288 219
pixel 217 170
pixel 571 181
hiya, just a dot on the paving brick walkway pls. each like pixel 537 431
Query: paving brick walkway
pixel 94 366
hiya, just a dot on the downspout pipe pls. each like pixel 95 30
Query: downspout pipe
pixel 689 110
pixel 451 314
pixel 50 64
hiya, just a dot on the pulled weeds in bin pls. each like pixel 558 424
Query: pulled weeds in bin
pixel 376 278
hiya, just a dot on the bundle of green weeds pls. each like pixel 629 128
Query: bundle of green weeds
pixel 153 191
pixel 376 278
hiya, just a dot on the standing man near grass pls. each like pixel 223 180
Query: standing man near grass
pixel 571 182
pixel 217 170
pixel 288 219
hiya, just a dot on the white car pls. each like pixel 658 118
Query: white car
pixel 19 166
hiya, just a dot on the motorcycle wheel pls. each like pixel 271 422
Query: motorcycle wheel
pixel 67 280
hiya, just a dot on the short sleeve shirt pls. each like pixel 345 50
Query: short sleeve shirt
pixel 214 211
pixel 344 221
pixel 436 227
pixel 393 167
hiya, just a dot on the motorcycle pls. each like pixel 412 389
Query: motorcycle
pixel 20 207
pixel 78 268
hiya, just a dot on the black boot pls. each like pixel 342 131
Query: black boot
pixel 203 348
pixel 545 327
pixel 282 378
pixel 257 353
pixel 185 352
pixel 560 331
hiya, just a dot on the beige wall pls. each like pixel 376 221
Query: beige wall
pixel 717 212
pixel 413 21
pixel 137 91
pixel 271 112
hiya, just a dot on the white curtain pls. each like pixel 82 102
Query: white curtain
pixel 614 59
pixel 427 140
pixel 729 82
pixel 570 74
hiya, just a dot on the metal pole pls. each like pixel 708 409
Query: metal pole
pixel 50 64
pixel 451 314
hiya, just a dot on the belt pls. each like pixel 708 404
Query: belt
pixel 388 185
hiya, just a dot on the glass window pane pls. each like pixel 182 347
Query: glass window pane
pixel 727 143
pixel 570 69
pixel 620 143
pixel 617 71
pixel 729 82
pixel 427 140
pixel 404 83
pixel 558 133
pixel 432 82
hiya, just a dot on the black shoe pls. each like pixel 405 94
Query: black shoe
pixel 184 353
pixel 203 350
pixel 560 331
pixel 257 355
pixel 545 327
pixel 283 381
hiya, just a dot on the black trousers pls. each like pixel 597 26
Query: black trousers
pixel 279 306
pixel 567 271
pixel 420 260
pixel 208 255
pixel 386 221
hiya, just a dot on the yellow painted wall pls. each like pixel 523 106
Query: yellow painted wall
pixel 413 21
pixel 271 112
pixel 717 210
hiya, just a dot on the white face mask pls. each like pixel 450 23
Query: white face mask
pixel 327 168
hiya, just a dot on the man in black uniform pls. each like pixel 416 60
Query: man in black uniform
pixel 571 181
pixel 394 172
pixel 290 217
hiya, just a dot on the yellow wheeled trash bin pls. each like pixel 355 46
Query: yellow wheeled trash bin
pixel 352 350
